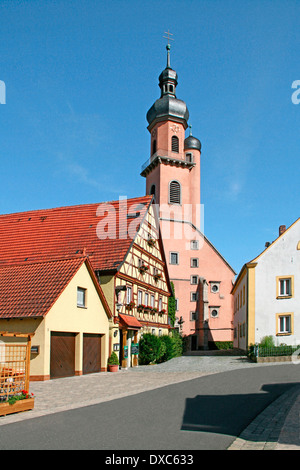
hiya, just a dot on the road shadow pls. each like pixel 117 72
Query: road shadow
pixel 230 414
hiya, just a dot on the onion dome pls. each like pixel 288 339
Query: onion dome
pixel 192 142
pixel 168 105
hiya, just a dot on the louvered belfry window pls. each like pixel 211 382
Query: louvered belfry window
pixel 174 193
pixel 175 144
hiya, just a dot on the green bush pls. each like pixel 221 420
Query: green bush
pixel 155 349
pixel 177 344
pixel 149 349
pixel 267 342
pixel 224 344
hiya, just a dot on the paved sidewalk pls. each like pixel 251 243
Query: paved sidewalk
pixel 276 428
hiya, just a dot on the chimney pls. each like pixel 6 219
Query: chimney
pixel 282 229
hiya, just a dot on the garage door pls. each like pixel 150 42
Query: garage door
pixel 62 355
pixel 91 353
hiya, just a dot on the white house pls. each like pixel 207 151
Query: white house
pixel 267 293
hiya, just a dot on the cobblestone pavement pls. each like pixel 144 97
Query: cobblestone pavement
pixel 276 428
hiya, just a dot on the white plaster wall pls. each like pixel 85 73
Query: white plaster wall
pixel 280 259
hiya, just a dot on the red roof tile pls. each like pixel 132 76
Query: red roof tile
pixel 129 321
pixel 66 231
pixel 30 290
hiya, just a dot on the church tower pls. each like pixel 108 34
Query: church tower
pixel 173 176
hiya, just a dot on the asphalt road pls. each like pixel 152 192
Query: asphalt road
pixel 204 413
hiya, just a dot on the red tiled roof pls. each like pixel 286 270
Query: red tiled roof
pixel 30 290
pixel 129 321
pixel 66 231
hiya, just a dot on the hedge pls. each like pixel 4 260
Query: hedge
pixel 156 349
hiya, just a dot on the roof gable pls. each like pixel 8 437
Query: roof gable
pixel 30 290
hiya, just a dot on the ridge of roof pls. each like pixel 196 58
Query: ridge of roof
pixel 274 241
pixel 70 230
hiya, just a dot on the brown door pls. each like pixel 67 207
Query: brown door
pixel 62 355
pixel 91 353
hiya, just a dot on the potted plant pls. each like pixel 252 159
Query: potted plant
pixel 113 363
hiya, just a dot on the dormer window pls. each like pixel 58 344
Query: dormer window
pixel 175 144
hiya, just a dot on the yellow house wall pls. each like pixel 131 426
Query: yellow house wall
pixel 65 316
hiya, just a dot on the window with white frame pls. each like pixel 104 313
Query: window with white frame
pixel 284 287
pixel 146 298
pixel 284 324
pixel 194 263
pixel 152 300
pixel 140 297
pixel 160 304
pixel 214 286
pixel 174 257
pixel 194 279
pixel 193 316
pixel 128 295
pixel 81 297
pixel 194 244
pixel 194 296
pixel 214 311
pixel 176 305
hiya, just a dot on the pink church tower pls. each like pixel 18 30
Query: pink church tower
pixel 202 277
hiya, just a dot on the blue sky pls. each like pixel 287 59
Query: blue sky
pixel 80 76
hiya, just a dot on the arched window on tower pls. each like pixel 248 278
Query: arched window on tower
pixel 174 192
pixel 175 143
pixel 152 190
pixel 153 146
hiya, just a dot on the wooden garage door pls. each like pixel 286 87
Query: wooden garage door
pixel 62 355
pixel 91 353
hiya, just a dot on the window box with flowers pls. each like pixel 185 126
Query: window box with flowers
pixel 130 306
pixel 154 310
pixel 162 311
pixel 157 276
pixel 151 242
pixel 147 308
pixel 140 308
pixel 143 268
pixel 17 403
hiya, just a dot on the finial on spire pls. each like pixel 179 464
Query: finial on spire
pixel 168 47
pixel 190 126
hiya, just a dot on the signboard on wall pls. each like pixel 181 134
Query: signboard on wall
pixel 134 349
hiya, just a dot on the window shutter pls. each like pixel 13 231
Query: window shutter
pixel 174 196
pixel 175 144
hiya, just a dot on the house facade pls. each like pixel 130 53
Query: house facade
pixel 62 304
pixel 266 294
pixel 201 276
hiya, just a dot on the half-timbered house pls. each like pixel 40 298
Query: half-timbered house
pixel 121 241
